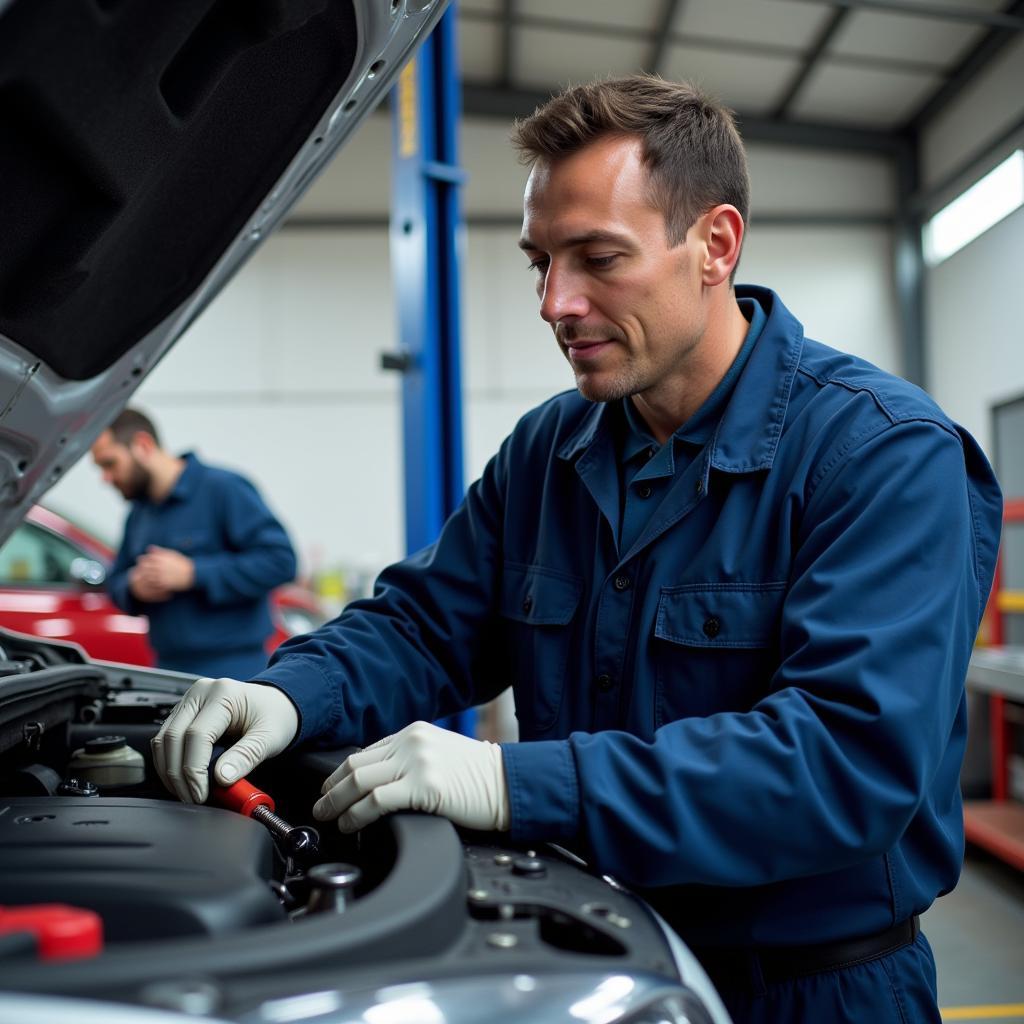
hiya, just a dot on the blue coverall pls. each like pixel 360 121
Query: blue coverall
pixel 240 553
pixel 755 714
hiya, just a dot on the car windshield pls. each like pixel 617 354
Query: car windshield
pixel 34 556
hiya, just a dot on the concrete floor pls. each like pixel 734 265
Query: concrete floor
pixel 977 934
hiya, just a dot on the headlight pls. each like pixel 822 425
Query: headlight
pixel 615 1001
pixel 676 1008
pixel 573 997
pixel 295 621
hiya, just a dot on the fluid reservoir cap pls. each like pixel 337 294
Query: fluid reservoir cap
pixel 62 932
pixel 331 886
pixel 104 744
pixel 334 876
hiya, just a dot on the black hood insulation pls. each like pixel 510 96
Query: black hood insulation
pixel 136 139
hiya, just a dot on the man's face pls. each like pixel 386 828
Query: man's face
pixel 624 306
pixel 120 468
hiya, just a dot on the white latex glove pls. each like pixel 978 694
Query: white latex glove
pixel 262 717
pixel 421 768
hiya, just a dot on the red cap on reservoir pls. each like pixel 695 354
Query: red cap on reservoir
pixel 62 932
pixel 241 796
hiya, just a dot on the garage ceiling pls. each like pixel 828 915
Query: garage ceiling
pixel 870 66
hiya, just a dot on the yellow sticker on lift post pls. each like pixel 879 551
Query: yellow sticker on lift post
pixel 408 138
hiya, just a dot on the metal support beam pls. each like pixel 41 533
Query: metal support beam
pixel 818 48
pixel 923 202
pixel 507 64
pixel 814 135
pixel 514 221
pixel 670 12
pixel 426 229
pixel 978 60
pixel 488 101
pixel 948 12
pixel 908 266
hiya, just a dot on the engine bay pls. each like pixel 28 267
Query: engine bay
pixel 85 820
pixel 88 823
pixel 187 892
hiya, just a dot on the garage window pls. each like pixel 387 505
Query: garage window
pixel 973 212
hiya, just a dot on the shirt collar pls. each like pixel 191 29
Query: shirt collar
pixel 748 432
pixel 187 483
pixel 636 437
pixel 699 428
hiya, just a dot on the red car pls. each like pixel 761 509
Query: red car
pixel 51 585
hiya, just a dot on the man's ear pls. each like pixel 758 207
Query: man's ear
pixel 142 445
pixel 723 237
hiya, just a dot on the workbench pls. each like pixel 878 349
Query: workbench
pixel 997 825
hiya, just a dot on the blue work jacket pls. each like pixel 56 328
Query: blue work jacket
pixel 240 552
pixel 756 713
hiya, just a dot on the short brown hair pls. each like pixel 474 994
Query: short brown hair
pixel 131 422
pixel 691 147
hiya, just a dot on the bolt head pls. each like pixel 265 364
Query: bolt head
pixel 303 841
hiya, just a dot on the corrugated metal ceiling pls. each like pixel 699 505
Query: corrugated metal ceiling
pixel 869 65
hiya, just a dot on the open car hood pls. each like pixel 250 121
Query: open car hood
pixel 146 150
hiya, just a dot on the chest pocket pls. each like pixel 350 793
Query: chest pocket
pixel 716 647
pixel 538 606
pixel 192 542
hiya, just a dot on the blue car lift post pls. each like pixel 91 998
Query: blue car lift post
pixel 426 237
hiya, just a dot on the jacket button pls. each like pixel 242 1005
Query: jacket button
pixel 623 583
pixel 604 683
pixel 651 452
pixel 712 627
pixel 527 604
pixel 699 486
pixel 645 491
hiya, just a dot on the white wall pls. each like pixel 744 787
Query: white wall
pixel 975 348
pixel 280 378
pixel 975 335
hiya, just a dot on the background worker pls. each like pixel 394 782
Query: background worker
pixel 734 582
pixel 201 552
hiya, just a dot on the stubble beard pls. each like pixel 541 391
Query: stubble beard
pixel 631 379
pixel 137 484
pixel 607 387
pixel 624 383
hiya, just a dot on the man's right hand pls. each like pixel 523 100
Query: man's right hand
pixel 261 717
pixel 144 588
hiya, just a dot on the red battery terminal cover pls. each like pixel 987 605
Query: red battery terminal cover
pixel 241 796
pixel 61 932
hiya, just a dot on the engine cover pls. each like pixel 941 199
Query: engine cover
pixel 152 869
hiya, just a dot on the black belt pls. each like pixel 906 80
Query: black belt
pixel 752 969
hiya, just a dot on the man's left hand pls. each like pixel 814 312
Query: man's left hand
pixel 168 569
pixel 421 768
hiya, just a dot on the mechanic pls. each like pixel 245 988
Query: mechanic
pixel 201 552
pixel 734 582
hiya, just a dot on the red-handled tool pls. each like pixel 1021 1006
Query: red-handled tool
pixel 243 797
pixel 300 841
